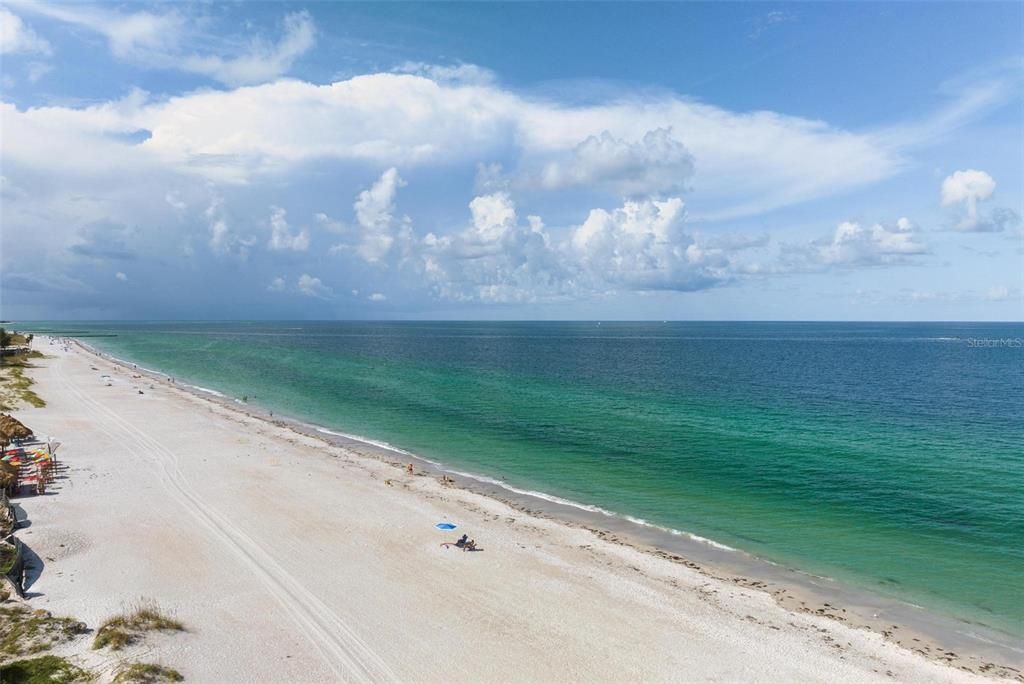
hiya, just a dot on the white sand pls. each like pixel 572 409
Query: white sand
pixel 292 561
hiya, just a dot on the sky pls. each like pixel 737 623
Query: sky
pixel 713 161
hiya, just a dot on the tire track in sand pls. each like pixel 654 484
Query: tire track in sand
pixel 348 656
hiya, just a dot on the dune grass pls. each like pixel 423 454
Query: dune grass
pixel 147 673
pixel 26 632
pixel 130 627
pixel 47 669
pixel 15 386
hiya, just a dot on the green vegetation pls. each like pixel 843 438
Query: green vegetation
pixel 147 673
pixel 24 631
pixel 45 670
pixel 8 556
pixel 124 630
pixel 15 386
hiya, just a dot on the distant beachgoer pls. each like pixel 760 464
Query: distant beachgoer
pixel 409 469
pixel 462 541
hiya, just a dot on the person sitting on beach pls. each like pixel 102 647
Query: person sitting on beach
pixel 462 541
pixel 470 545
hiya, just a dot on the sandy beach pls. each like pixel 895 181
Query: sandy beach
pixel 291 559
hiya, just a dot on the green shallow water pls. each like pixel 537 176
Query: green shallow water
pixel 890 456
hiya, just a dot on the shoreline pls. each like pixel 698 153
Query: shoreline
pixel 939 637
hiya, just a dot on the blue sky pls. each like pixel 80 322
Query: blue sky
pixel 529 160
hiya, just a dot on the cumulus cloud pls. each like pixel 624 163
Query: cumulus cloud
pixel 967 187
pixel 281 237
pixel 277 285
pixel 313 287
pixel 224 241
pixel 856 245
pixel 16 36
pixel 377 229
pixel 121 276
pixel 496 259
pixel 377 297
pixel 965 190
pixel 643 246
pixel 657 163
pixel 640 246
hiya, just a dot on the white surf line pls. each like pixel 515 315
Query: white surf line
pixel 356 657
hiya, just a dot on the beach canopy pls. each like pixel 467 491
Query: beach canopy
pixel 12 428
pixel 445 526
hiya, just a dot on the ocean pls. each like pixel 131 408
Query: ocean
pixel 886 455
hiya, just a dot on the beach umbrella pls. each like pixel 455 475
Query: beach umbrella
pixel 445 526
pixel 12 428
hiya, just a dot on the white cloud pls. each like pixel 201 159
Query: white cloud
pixel 967 187
pixel 175 201
pixel 1000 293
pixel 277 285
pixel 965 190
pixel 36 70
pixel 377 297
pixel 642 246
pixel 77 165
pixel 856 245
pixel 657 163
pixel 129 35
pixel 155 39
pixel 312 287
pixel 223 241
pixel 262 61
pixel 376 230
pixel 121 276
pixel 458 73
pixel 330 224
pixel 16 36
pixel 495 259
pixel 281 237
pixel 745 162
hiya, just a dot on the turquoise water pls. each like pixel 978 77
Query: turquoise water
pixel 887 455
